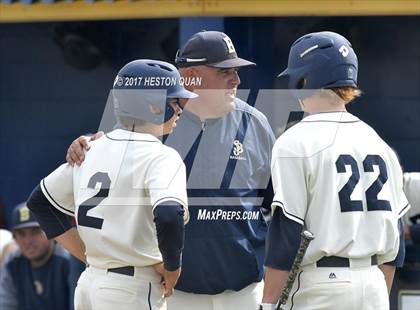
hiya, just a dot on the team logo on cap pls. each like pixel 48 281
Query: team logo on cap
pixel 229 44
pixel 24 214
pixel 344 50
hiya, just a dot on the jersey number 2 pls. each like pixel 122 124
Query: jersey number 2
pixel 91 221
pixel 373 203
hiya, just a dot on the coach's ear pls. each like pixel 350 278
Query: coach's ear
pixel 188 73
pixel 191 74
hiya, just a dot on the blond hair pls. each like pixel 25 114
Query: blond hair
pixel 337 95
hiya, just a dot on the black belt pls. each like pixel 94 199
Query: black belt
pixel 127 270
pixel 335 261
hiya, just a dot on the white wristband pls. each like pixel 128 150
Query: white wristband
pixel 265 306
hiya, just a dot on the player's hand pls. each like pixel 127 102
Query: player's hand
pixel 75 153
pixel 169 281
pixel 169 278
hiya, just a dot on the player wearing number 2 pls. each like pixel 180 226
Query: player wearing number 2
pixel 129 198
pixel 333 175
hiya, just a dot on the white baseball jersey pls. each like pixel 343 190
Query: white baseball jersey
pixel 334 174
pixel 113 193
pixel 412 191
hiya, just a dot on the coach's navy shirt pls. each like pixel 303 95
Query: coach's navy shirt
pixel 44 288
pixel 228 170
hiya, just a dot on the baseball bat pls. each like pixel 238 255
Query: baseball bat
pixel 306 238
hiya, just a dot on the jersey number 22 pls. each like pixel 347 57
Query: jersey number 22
pixel 373 203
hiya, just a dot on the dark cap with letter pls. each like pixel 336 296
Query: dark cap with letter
pixel 211 48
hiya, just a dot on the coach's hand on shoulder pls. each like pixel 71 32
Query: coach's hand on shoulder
pixel 75 153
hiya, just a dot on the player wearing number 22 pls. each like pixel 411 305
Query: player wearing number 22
pixel 333 175
pixel 136 219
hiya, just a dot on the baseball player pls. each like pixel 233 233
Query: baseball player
pixel 129 197
pixel 333 175
pixel 226 146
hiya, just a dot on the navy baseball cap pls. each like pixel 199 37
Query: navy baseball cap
pixel 22 217
pixel 211 48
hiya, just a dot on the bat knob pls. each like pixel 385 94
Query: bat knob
pixel 307 235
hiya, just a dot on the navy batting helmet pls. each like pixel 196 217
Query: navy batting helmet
pixel 321 60
pixel 146 82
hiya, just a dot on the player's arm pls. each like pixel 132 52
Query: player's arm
pixel 166 181
pixel 283 237
pixel 274 281
pixel 71 241
pixel 388 268
pixel 75 153
pixel 55 223
pixel 282 244
pixel 169 221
